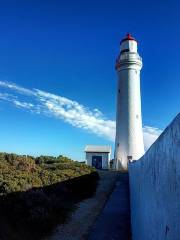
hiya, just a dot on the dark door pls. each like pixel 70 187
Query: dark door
pixel 97 162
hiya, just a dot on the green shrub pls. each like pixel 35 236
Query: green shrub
pixel 38 193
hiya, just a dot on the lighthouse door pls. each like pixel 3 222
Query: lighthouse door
pixel 97 162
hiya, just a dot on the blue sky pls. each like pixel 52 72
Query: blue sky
pixel 68 49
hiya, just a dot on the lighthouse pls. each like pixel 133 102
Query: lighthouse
pixel 129 143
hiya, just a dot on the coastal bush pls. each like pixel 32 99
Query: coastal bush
pixel 37 193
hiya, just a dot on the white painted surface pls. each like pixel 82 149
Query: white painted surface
pixel 105 159
pixel 96 148
pixel 131 45
pixel 155 188
pixel 129 135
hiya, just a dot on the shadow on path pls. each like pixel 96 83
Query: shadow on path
pixel 114 221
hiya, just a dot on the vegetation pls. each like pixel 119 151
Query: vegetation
pixel 38 193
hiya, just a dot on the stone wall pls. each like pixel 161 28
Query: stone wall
pixel 155 188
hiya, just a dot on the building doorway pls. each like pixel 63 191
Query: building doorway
pixel 97 162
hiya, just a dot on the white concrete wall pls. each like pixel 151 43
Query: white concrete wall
pixel 105 159
pixel 155 188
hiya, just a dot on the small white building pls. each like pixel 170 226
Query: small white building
pixel 98 156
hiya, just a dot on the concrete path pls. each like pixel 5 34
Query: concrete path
pixel 114 221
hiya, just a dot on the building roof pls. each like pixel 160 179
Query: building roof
pixel 128 37
pixel 95 148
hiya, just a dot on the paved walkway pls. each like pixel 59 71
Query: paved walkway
pixel 77 228
pixel 114 221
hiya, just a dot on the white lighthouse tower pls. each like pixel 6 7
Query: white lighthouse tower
pixel 129 136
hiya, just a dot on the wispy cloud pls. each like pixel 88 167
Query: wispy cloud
pixel 70 111
pixel 23 104
pixel 17 88
pixel 150 135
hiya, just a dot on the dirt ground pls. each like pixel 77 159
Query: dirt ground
pixel 87 211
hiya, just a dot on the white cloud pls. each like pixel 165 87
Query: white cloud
pixel 23 104
pixel 69 111
pixel 13 99
pixel 16 88
pixel 6 96
pixel 77 115
pixel 150 135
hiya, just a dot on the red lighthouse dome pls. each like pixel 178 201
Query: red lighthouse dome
pixel 128 38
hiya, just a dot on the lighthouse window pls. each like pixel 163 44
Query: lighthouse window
pixel 125 50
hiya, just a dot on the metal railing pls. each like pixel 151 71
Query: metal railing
pixel 130 56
